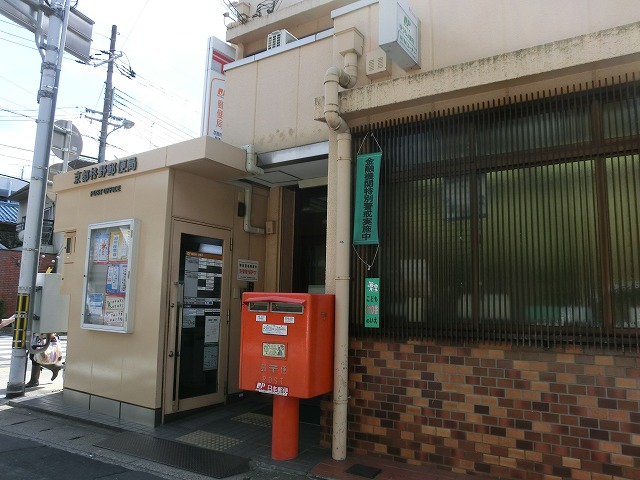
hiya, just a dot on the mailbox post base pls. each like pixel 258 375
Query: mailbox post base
pixel 285 428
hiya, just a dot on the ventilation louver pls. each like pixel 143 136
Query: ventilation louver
pixel 378 64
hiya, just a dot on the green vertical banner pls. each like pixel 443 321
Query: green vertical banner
pixel 365 215
pixel 372 303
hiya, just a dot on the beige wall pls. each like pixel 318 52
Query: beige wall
pixel 130 367
pixel 118 366
pixel 271 98
pixel 276 111
pixel 472 51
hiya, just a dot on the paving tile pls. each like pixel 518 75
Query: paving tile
pixel 250 438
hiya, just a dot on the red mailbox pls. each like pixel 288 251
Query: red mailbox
pixel 286 350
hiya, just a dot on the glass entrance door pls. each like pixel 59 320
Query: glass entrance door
pixel 197 338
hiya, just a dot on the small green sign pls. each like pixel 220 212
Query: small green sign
pixel 372 303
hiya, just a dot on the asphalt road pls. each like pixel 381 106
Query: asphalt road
pixel 39 446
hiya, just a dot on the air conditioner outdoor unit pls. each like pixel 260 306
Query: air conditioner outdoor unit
pixel 378 64
pixel 278 38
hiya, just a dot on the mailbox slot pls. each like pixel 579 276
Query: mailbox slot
pixel 281 307
pixel 258 306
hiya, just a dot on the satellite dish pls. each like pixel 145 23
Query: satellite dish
pixel 66 139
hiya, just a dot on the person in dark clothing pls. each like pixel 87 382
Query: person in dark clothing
pixel 36 368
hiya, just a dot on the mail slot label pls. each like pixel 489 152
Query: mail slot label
pixel 268 329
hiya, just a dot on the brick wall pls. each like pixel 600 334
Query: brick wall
pixel 499 412
pixel 10 276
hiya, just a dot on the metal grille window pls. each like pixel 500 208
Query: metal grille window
pixel 516 222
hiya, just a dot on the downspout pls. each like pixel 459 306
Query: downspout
pixel 345 78
pixel 251 166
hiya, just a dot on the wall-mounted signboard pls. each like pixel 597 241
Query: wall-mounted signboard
pixel 108 281
pixel 399 33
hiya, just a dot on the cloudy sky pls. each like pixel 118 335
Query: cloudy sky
pixel 162 41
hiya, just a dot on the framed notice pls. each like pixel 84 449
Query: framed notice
pixel 108 294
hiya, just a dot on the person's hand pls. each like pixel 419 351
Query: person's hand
pixel 7 321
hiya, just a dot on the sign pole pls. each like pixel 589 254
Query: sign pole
pixel 47 96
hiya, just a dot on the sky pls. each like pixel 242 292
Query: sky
pixel 162 41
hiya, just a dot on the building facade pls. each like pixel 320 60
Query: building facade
pixel 507 262
pixel 487 317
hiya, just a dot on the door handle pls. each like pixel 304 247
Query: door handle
pixel 170 353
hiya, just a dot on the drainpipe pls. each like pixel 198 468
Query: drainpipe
pixel 248 189
pixel 345 78
pixel 251 165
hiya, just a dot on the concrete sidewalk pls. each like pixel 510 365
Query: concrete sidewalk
pixel 241 429
pixel 40 445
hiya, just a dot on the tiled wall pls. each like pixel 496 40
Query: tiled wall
pixel 507 412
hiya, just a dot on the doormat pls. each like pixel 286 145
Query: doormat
pixel 363 470
pixel 176 454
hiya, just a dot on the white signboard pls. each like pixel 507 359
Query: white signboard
pixel 399 33
pixel 219 54
pixel 270 329
pixel 212 329
pixel 247 270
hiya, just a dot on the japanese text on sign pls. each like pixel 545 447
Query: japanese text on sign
pixel 247 270
pixel 269 329
pixel 272 389
pixel 365 220
pixel 106 170
pixel 372 303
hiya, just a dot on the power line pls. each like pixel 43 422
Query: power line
pixel 17 148
pixel 161 132
pixel 152 111
pixel 19 86
pixel 169 136
pixel 155 114
pixel 17 113
pixel 17 158
pixel 153 127
pixel 148 84
pixel 20 37
pixel 135 23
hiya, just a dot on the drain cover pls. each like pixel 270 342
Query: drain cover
pixel 363 470
pixel 177 454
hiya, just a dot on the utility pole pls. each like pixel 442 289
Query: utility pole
pixel 47 96
pixel 108 97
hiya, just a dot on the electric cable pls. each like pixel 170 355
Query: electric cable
pixel 135 23
pixel 169 136
pixel 140 112
pixel 16 148
pixel 154 113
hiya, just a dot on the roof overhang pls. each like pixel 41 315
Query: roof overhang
pixel 209 158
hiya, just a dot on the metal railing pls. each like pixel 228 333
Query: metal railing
pixel 47 231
